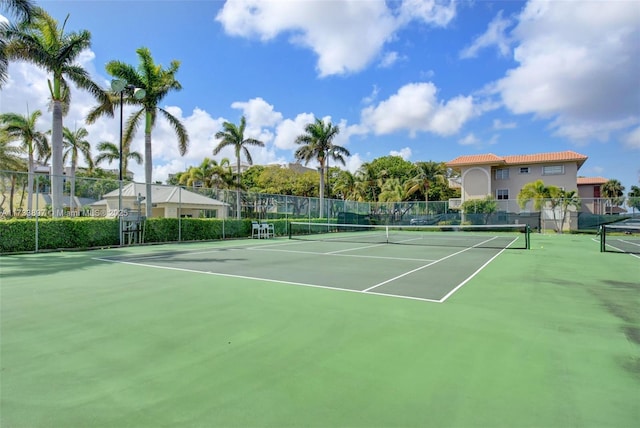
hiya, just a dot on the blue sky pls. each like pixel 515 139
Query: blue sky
pixel 426 80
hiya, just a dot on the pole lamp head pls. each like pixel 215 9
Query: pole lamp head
pixel 139 93
pixel 118 85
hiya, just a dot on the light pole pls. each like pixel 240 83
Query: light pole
pixel 120 86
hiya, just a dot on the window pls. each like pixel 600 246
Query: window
pixel 502 194
pixel 596 191
pixel 553 170
pixel 524 170
pixel 502 174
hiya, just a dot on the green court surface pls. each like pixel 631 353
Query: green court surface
pixel 285 333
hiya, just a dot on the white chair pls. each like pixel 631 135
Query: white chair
pixel 270 230
pixel 256 229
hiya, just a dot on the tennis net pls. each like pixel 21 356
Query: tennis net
pixel 620 238
pixel 476 236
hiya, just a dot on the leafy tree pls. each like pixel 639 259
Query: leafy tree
pixel 76 144
pixel 34 143
pixel 110 152
pixel 613 192
pixel 250 177
pixel 233 136
pixel 46 45
pixel 634 197
pixel 157 82
pixel 317 144
pixel 485 207
pixel 386 167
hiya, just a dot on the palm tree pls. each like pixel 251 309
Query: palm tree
pixel 233 136
pixel 76 145
pixel 346 185
pixel 393 190
pixel 157 83
pixel 367 182
pixel 613 192
pixel 208 174
pixel 10 161
pixel 634 198
pixel 317 145
pixel 536 191
pixel 24 11
pixel 110 152
pixel 46 45
pixel 428 173
pixel 34 142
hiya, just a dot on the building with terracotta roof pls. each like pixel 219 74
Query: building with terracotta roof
pixel 504 176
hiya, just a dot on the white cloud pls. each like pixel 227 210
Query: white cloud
pixel 495 35
pixel 258 112
pixel 389 59
pixel 498 124
pixel 578 65
pixel 632 139
pixel 404 153
pixel 346 35
pixel 416 108
pixel 435 12
pixel 288 130
pixel 469 140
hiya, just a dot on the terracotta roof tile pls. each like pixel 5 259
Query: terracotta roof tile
pixel 591 180
pixel 490 158
pixel 475 159
pixel 546 157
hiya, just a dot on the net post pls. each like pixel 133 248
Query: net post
pixel 603 243
pixel 527 237
pixel 289 228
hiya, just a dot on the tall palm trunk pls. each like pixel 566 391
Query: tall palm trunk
pixel 30 186
pixel 56 160
pixel 238 213
pixel 148 170
pixel 321 188
pixel 72 192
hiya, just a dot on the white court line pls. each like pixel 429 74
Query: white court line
pixel 425 266
pixel 623 251
pixel 277 281
pixel 333 253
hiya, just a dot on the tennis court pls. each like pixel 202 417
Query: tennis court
pixel 295 332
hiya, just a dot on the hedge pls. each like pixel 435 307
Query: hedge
pixel 19 235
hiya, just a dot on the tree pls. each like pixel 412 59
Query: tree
pixel 10 162
pixel 536 191
pixel 24 11
pixel 34 143
pixel 46 45
pixel 208 174
pixel 76 144
pixel 346 185
pixel 560 200
pixel 233 136
pixel 317 144
pixel 634 198
pixel 157 83
pixel 429 173
pixel 613 192
pixel 485 207
pixel 110 152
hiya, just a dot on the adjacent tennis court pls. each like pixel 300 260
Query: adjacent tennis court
pixel 341 328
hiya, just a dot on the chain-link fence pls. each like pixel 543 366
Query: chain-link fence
pixel 96 212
